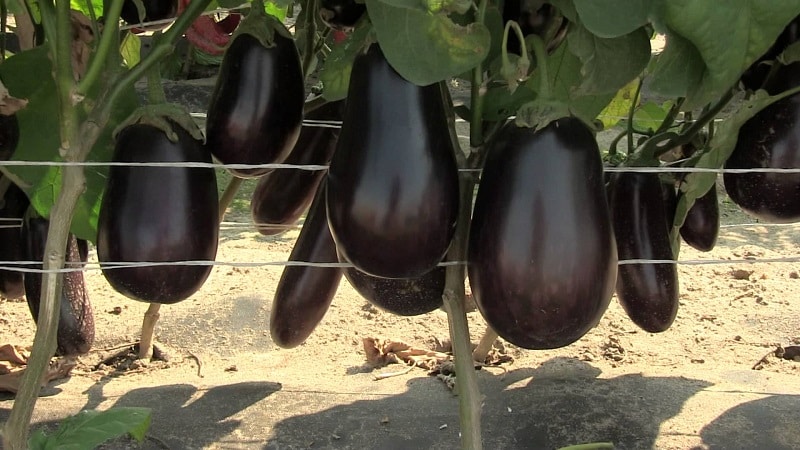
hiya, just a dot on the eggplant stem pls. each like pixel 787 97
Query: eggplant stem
pixel 228 195
pixel 485 345
pixel 148 329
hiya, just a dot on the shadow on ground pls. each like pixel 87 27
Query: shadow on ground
pixel 559 403
pixel 768 423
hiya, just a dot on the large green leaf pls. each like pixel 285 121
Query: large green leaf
pixel 620 106
pixel 335 73
pixel 90 428
pixel 28 75
pixel 677 68
pixel 728 35
pixel 425 47
pixel 609 64
pixel 614 18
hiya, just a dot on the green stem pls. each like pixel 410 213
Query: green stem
pixel 476 94
pixel 612 149
pixel 107 39
pixel 228 195
pixel 92 17
pixel 540 54
pixel 155 90
pixel 631 110
pixel 313 104
pixel 310 30
pixel 671 115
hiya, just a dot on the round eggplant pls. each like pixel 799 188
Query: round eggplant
pixel 770 140
pixel 153 10
pixel 256 109
pixel 75 334
pixel 158 214
pixel 304 293
pixel 647 292
pixel 14 205
pixel 701 227
pixel 393 181
pixel 542 259
pixel 341 14
pixel 401 296
pixel 281 196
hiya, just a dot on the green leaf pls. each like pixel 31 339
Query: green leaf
pixel 335 73
pixel 790 55
pixel 425 48
pixel 650 115
pixel 277 10
pixel 131 50
pixel 499 103
pixel 28 75
pixel 728 35
pixel 90 428
pixel 613 18
pixel 677 68
pixel 609 64
pixel 80 5
pixel 620 105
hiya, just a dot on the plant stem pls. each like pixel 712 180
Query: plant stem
pixel 485 345
pixel 228 195
pixel 631 110
pixel 476 94
pixel 310 31
pixel 107 39
pixel 540 54
pixel 148 329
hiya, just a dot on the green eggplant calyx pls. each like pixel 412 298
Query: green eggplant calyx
pixel 261 26
pixel 540 113
pixel 164 117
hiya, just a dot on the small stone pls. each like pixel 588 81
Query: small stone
pixel 794 275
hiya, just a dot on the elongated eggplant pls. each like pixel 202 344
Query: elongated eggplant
pixel 542 260
pixel 281 196
pixel 304 293
pixel 76 319
pixel 158 214
pixel 401 296
pixel 701 227
pixel 647 292
pixel 256 109
pixel 393 180
pixel 14 205
pixel 770 140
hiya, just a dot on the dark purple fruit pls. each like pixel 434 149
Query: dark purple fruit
pixel 701 227
pixel 9 136
pixel 76 320
pixel 281 196
pixel 648 292
pixel 12 209
pixel 393 180
pixel 158 214
pixel 304 293
pixel 401 296
pixel 542 260
pixel 256 109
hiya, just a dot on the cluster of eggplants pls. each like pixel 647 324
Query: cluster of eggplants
pixel 281 196
pixel 158 214
pixel 75 334
pixel 542 259
pixel 256 109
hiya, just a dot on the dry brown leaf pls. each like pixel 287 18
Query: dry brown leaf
pixel 381 352
pixel 82 37
pixel 8 104
pixel 14 354
pixel 60 368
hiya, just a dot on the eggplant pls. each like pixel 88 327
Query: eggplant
pixel 769 140
pixel 153 10
pixel 393 181
pixel 701 227
pixel 256 109
pixel 158 214
pixel 281 196
pixel 9 136
pixel 75 334
pixel 647 292
pixel 304 293
pixel 341 14
pixel 401 296
pixel 541 258
pixel 754 77
pixel 14 205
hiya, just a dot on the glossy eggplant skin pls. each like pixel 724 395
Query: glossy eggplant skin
pixel 542 259
pixel 14 205
pixel 256 109
pixel 770 140
pixel 304 293
pixel 647 292
pixel 9 136
pixel 75 334
pixel 401 296
pixel 393 180
pixel 158 214
pixel 754 77
pixel 281 196
pixel 153 10
pixel 701 227
pixel 341 14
